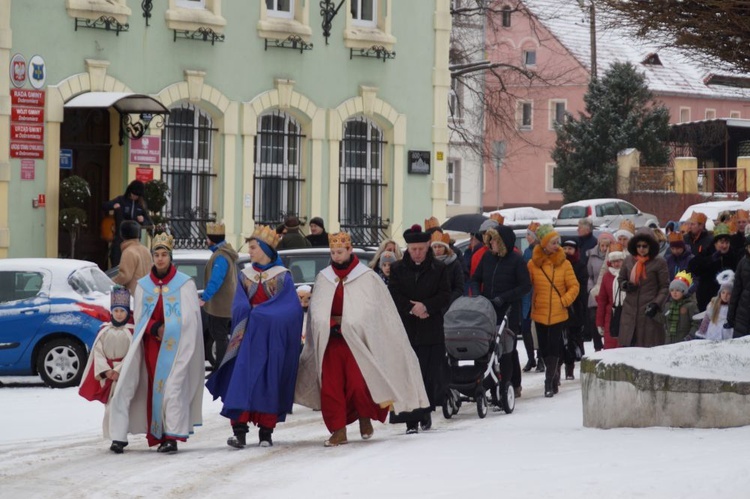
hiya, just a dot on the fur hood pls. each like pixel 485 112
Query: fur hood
pixel 504 235
pixel 653 245
pixel 538 256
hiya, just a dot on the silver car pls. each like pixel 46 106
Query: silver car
pixel 604 212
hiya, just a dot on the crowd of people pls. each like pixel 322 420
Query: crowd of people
pixel 372 338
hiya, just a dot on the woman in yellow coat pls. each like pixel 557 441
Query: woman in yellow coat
pixel 554 289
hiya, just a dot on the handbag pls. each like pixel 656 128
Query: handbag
pixel 614 322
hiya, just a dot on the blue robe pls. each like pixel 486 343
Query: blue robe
pixel 259 371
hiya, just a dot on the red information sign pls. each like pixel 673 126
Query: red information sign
pixel 21 97
pixel 33 133
pixel 145 151
pixel 27 169
pixel 27 115
pixel 26 150
pixel 144 174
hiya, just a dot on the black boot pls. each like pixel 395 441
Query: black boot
pixel 531 364
pixel 548 388
pixel 426 422
pixel 117 446
pixel 238 440
pixel 412 427
pixel 168 447
pixel 539 365
pixel 570 371
pixel 264 437
pixel 549 374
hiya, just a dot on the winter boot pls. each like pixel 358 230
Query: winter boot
pixel 337 438
pixel 548 388
pixel 238 440
pixel 539 365
pixel 117 446
pixel 517 392
pixel 569 371
pixel 426 422
pixel 549 374
pixel 168 447
pixel 365 428
pixel 264 437
pixel 531 364
pixel 412 427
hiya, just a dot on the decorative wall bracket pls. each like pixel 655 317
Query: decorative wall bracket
pixel 202 34
pixel 136 129
pixel 107 23
pixel 328 11
pixel 147 6
pixel 294 42
pixel 376 51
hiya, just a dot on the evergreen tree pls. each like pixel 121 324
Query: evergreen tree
pixel 620 113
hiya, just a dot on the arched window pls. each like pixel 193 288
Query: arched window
pixel 361 182
pixel 278 179
pixel 187 145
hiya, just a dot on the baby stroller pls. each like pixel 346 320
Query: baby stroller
pixel 475 344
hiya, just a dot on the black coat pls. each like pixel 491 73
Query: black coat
pixel 703 243
pixel 505 277
pixel 705 268
pixel 454 264
pixel 427 283
pixel 318 240
pixel 128 210
pixel 739 304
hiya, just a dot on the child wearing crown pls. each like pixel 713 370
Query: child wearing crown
pixel 160 387
pixel 255 380
pixel 110 346
pixel 680 309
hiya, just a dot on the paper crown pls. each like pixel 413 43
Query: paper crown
pixel 627 225
pixel 266 234
pixel 339 240
pixel 697 217
pixel 615 252
pixel 438 237
pixel 675 238
pixel 119 298
pixel 215 229
pixel 684 277
pixel 533 226
pixel 162 240
pixel 431 223
pixel 497 217
pixel 685 227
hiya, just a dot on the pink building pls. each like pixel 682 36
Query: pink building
pixel 553 41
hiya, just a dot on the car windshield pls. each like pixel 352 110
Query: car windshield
pixel 567 212
pixel 90 280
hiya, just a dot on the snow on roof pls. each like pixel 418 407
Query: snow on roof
pixel 699 359
pixel 667 70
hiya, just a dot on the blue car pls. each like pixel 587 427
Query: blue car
pixel 50 312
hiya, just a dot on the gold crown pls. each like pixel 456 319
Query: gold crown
pixel 684 277
pixel 215 229
pixel 431 223
pixel 266 234
pixel 497 217
pixel 627 225
pixel 439 237
pixel 162 240
pixel 339 240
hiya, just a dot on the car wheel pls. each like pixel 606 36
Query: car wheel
pixel 61 362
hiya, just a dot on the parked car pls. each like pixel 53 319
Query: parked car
pixel 569 232
pixel 712 209
pixel 523 216
pixel 607 212
pixel 304 264
pixel 50 312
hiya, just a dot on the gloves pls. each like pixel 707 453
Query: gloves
pixel 628 286
pixel 728 325
pixel 651 310
pixel 498 302
pixel 600 330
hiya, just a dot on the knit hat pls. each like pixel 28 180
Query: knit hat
pixel 414 234
pixel 722 231
pixel 606 236
pixel 531 229
pixel 119 298
pixel 697 217
pixel 725 280
pixel 317 221
pixel 616 252
pixel 387 257
pixel 681 282
pixel 305 288
pixel 570 243
pixel 135 187
pixel 675 240
pixel 291 222
pixel 546 233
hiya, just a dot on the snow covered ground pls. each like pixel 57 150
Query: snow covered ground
pixel 51 446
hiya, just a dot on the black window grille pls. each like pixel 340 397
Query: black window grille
pixel 361 184
pixel 278 175
pixel 187 168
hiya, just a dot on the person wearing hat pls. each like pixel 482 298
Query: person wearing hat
pixel 105 361
pixel 160 387
pixel 698 238
pixel 625 231
pixel 357 362
pixel 595 269
pixel 293 238
pixel 440 244
pixel 129 206
pixel 707 265
pixel 714 325
pixel 680 310
pixel 529 337
pixel 503 278
pixel 220 276
pixel 610 295
pixel 573 339
pixel 256 377
pixel 385 245
pixel 554 289
pixel 678 257
pixel 387 258
pixel 738 314
pixel 318 236
pixel 420 288
pixel 737 242
pixel 476 257
pixel 135 260
pixel 645 279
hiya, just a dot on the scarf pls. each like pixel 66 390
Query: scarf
pixel 674 317
pixel 260 268
pixel 638 273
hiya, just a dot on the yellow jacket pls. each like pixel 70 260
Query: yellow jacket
pixel 547 306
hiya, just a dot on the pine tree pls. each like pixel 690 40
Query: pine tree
pixel 619 113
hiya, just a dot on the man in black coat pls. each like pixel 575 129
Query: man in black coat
pixel 708 265
pixel 586 240
pixel 420 289
pixel 503 278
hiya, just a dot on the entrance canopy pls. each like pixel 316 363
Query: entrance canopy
pixel 126 104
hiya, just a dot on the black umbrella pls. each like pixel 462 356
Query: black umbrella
pixel 467 222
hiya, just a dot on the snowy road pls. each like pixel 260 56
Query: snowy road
pixel 50 446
